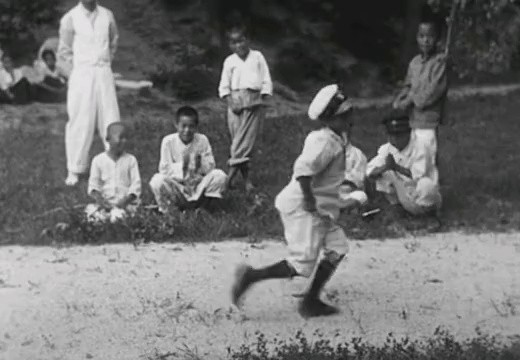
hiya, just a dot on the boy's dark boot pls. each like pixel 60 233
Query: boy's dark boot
pixel 311 305
pixel 246 276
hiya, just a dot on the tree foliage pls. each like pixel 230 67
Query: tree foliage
pixel 19 19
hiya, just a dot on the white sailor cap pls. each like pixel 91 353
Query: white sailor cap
pixel 328 102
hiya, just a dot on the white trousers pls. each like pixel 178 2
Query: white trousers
pixel 427 137
pixel 416 197
pixel 91 103
pixel 169 192
pixel 307 235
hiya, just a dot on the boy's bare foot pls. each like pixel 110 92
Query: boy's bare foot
pixel 72 179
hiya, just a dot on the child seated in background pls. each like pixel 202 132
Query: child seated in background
pixel 187 176
pixel 404 169
pixel 115 182
pixel 52 86
pixel 352 191
pixel 14 87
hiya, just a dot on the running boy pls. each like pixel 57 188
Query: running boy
pixel 403 169
pixel 115 182
pixel 307 206
pixel 187 174
pixel 245 84
pixel 426 86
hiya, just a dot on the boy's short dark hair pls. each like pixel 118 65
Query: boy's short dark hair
pixel 113 125
pixel 431 18
pixel 187 111
pixel 237 28
pixel 48 52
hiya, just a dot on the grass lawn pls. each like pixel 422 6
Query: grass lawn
pixel 479 173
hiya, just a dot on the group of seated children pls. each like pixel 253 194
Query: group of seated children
pixel 47 84
pixel 187 176
pixel 404 169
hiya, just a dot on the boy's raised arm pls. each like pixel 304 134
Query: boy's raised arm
pixel 167 165
pixel 207 158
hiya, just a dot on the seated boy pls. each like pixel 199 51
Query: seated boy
pixel 187 174
pixel 52 86
pixel 14 87
pixel 352 190
pixel 404 169
pixel 115 182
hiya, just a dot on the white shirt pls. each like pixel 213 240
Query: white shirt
pixel 172 154
pixel 251 73
pixel 88 38
pixel 416 157
pixel 356 166
pixel 323 159
pixel 7 80
pixel 115 179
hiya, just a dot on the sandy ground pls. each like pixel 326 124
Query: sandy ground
pixel 121 302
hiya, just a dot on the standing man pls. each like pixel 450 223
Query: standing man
pixel 88 42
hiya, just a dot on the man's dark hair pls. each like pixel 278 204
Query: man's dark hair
pixel 188 111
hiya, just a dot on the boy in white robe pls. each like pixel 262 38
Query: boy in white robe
pixel 308 206
pixel 245 84
pixel 115 182
pixel 404 169
pixel 187 175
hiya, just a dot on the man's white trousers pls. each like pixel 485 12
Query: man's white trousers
pixel 91 102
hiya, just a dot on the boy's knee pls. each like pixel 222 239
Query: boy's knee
pixel 157 181
pixel 218 176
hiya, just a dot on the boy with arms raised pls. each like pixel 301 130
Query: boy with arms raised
pixel 115 182
pixel 307 206
pixel 404 170
pixel 187 174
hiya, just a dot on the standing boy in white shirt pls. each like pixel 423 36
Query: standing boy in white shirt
pixel 404 168
pixel 245 83
pixel 115 182
pixel 307 206
pixel 88 42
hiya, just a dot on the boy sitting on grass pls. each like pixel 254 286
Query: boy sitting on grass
pixel 187 175
pixel 115 182
pixel 352 190
pixel 53 86
pixel 14 86
pixel 404 170
pixel 307 205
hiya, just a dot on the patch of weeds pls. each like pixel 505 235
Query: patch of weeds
pixel 441 346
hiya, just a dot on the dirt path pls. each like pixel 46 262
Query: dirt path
pixel 118 302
